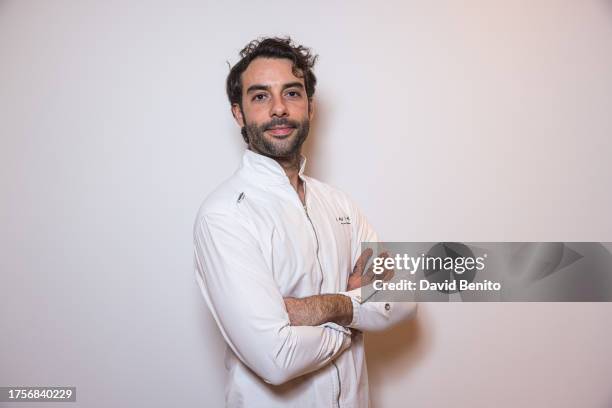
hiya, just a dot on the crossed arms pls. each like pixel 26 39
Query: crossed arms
pixel 336 308
pixel 279 339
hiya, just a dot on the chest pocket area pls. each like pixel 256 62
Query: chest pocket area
pixel 334 233
pixel 295 253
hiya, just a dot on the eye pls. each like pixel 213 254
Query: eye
pixel 259 97
pixel 294 94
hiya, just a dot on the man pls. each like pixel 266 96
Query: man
pixel 274 251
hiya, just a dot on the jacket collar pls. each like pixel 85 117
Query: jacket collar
pixel 266 170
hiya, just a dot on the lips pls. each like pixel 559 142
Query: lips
pixel 280 131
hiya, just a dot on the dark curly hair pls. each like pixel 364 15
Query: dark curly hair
pixel 272 47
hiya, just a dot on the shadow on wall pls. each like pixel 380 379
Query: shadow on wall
pixel 393 353
pixel 609 402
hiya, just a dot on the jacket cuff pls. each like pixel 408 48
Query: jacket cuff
pixel 343 333
pixel 355 296
pixel 376 316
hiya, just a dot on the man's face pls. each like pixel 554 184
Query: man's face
pixel 275 111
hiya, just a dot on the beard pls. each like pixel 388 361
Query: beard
pixel 270 146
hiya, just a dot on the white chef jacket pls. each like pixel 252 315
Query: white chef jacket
pixel 255 243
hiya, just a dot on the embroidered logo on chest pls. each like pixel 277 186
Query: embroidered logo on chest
pixel 345 220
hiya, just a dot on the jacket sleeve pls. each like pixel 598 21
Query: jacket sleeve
pixel 246 304
pixel 373 316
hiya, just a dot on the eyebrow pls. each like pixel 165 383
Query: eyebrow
pixel 259 87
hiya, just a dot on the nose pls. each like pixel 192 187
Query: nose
pixel 278 107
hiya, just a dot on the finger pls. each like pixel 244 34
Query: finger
pixel 370 275
pixel 384 254
pixel 367 278
pixel 388 274
pixel 362 261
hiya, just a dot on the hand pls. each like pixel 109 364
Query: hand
pixel 358 278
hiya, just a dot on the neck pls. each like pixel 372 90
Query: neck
pixel 291 166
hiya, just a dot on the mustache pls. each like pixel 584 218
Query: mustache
pixel 280 122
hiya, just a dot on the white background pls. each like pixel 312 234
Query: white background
pixel 446 121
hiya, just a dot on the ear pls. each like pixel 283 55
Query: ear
pixel 237 113
pixel 311 108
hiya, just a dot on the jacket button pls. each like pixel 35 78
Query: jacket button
pixel 387 307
